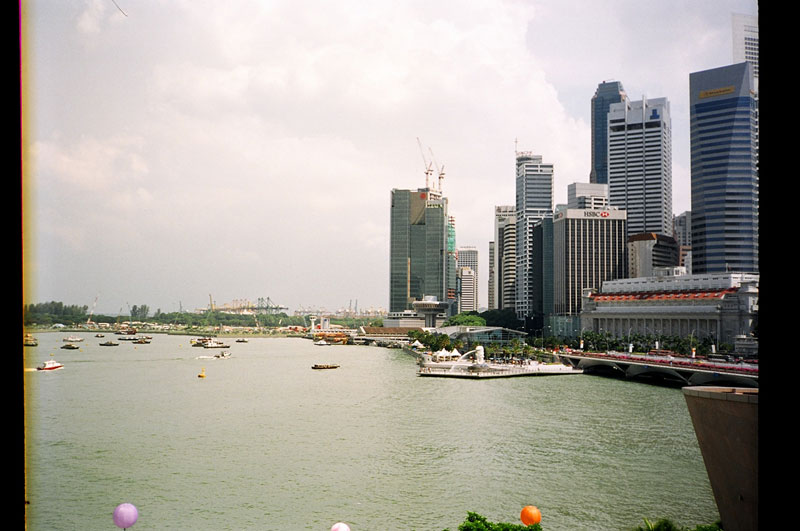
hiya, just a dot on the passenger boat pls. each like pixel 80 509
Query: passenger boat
pixel 324 366
pixel 29 341
pixel 70 346
pixel 73 339
pixel 109 344
pixel 213 343
pixel 50 365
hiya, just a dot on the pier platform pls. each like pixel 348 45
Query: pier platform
pixel 494 371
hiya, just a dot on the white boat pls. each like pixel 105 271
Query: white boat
pixel 222 355
pixel 50 365
pixel 213 343
pixel 73 339
pixel 321 343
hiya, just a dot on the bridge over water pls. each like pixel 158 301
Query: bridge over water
pixel 677 371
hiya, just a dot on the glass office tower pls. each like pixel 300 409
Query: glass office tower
pixel 419 255
pixel 607 92
pixel 724 166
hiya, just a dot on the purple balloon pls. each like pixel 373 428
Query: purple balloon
pixel 125 515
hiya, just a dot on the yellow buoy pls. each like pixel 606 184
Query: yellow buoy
pixel 202 373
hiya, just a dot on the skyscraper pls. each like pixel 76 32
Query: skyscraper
pixel 640 164
pixel 451 282
pixel 534 202
pixel 468 294
pixel 588 248
pixel 492 303
pixel 607 92
pixel 467 258
pixel 745 41
pixel 418 247
pixel 505 253
pixel 724 162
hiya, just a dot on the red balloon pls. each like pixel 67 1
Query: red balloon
pixel 530 515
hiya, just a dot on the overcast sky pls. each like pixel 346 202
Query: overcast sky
pixel 176 150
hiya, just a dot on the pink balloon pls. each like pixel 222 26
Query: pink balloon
pixel 125 515
pixel 340 527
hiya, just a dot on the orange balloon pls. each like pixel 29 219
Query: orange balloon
pixel 530 515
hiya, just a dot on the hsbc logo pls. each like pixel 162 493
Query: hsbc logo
pixel 596 214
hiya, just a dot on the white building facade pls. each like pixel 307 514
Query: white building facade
pixel 640 163
pixel 534 202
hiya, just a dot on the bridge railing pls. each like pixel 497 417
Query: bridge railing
pixel 675 362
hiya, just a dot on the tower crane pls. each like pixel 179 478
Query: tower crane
pixel 439 171
pixel 427 164
pixel 89 319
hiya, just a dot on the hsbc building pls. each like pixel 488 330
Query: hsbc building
pixel 589 247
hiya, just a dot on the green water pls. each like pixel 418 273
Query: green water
pixel 265 442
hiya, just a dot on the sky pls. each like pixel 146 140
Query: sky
pixel 180 152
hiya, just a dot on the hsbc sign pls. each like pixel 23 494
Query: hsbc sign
pixel 595 213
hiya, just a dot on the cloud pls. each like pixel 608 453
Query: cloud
pixel 269 135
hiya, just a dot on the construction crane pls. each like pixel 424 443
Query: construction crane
pixel 427 164
pixel 89 319
pixel 439 171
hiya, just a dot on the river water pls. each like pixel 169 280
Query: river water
pixel 266 443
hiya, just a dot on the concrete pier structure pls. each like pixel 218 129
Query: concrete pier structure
pixel 725 420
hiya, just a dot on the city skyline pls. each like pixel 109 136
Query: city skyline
pixel 172 152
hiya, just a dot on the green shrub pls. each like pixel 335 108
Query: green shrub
pixel 476 522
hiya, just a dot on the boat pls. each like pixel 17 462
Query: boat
pixel 241 340
pixel 222 355
pixel 321 343
pixel 109 344
pixel 73 339
pixel 99 335
pixel 200 342
pixel 50 365
pixel 213 343
pixel 70 346
pixel 202 373
pixel 324 366
pixel 142 341
pixel 29 341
